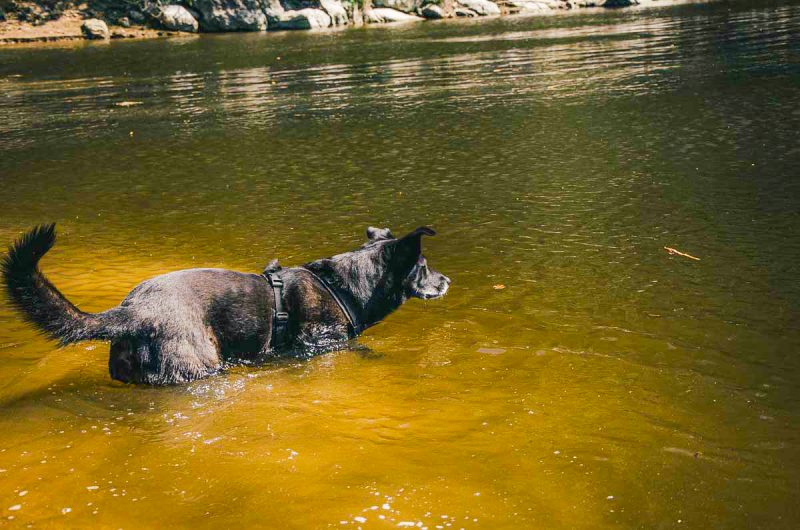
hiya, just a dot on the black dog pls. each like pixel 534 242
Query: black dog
pixel 188 324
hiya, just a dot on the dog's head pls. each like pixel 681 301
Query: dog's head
pixel 405 259
pixel 377 278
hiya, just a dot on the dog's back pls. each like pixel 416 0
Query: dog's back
pixel 189 322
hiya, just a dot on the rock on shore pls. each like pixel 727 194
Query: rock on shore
pixel 178 18
pixel 39 20
pixel 335 10
pixel 483 8
pixel 386 15
pixel 432 12
pixel 530 6
pixel 605 3
pixel 260 15
pixel 304 19
pixel 406 6
pixel 95 29
pixel 232 15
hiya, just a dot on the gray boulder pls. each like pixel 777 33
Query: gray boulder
pixel 137 17
pixel 304 19
pixel 406 6
pixel 385 15
pixel 274 11
pixel 432 12
pixel 605 3
pixel 178 18
pixel 464 12
pixel 95 29
pixel 335 10
pixel 231 15
pixel 483 8
pixel 530 6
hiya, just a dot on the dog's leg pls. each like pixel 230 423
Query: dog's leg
pixel 183 359
pixel 123 362
pixel 314 339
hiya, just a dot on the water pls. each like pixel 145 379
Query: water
pixel 608 384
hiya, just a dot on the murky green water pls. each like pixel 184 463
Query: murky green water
pixel 608 385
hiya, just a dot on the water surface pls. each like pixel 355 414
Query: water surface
pixel 608 384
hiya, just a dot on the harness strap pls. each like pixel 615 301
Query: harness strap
pixel 280 321
pixel 353 328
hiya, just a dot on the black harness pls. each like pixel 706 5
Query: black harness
pixel 280 322
pixel 353 327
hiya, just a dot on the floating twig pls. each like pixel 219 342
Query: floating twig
pixel 679 253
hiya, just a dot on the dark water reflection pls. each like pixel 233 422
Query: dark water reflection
pixel 608 384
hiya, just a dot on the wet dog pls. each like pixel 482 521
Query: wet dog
pixel 188 324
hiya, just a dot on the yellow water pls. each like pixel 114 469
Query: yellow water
pixel 608 385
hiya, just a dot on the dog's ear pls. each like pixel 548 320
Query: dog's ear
pixel 272 266
pixel 379 234
pixel 414 239
pixel 423 230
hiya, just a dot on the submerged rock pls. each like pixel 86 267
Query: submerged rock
pixel 231 15
pixel 178 18
pixel 432 12
pixel 385 15
pixel 95 28
pixel 483 8
pixel 304 19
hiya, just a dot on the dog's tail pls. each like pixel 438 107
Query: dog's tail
pixel 41 303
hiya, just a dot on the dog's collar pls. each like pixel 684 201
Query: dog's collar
pixel 353 328
pixel 280 320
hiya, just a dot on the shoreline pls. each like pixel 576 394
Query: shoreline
pixel 178 21
pixel 68 28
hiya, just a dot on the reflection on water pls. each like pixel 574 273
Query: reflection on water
pixel 630 55
pixel 608 384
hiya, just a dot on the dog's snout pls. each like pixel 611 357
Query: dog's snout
pixel 447 279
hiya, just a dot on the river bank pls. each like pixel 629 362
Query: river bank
pixel 57 20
